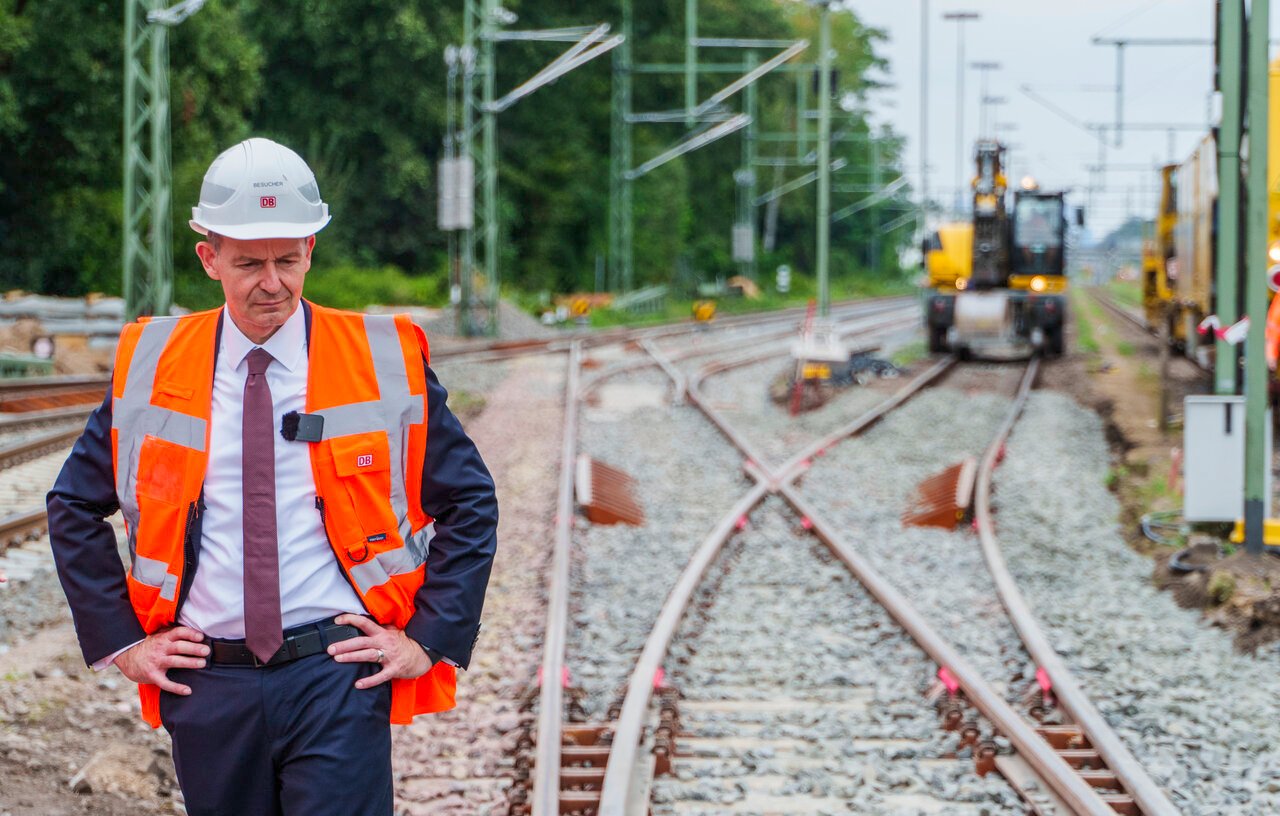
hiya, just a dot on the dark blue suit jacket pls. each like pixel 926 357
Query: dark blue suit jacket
pixel 457 491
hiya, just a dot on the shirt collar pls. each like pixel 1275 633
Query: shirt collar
pixel 286 345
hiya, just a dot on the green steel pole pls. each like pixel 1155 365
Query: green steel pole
pixel 749 158
pixel 690 61
pixel 490 170
pixel 1257 457
pixel 1227 263
pixel 616 124
pixel 628 185
pixel 802 104
pixel 874 212
pixel 620 160
pixel 147 253
pixel 160 286
pixel 129 245
pixel 468 262
pixel 824 161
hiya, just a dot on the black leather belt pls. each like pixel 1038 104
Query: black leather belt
pixel 299 641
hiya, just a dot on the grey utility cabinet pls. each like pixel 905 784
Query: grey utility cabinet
pixel 1213 463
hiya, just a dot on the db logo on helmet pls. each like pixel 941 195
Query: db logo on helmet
pixel 267 202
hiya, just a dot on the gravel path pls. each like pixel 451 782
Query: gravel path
pixel 816 706
pixel 687 476
pixel 1201 717
pixel 460 762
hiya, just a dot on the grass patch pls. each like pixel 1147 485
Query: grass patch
pixel 1085 340
pixel 466 405
pixel 1125 293
pixel 1125 348
pixel 803 289
pixel 909 354
pixel 1221 587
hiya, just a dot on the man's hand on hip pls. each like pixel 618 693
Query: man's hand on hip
pixel 149 660
pixel 399 655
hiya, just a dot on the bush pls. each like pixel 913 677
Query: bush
pixel 341 285
pixel 346 286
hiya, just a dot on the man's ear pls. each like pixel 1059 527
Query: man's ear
pixel 207 253
pixel 311 244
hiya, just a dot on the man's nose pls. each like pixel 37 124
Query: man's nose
pixel 270 278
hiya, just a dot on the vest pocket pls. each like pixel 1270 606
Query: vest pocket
pixel 162 467
pixel 363 465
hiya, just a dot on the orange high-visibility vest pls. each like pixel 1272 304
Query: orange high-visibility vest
pixel 1272 336
pixel 366 379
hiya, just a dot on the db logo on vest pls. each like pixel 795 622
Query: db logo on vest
pixel 267 202
pixel 364 460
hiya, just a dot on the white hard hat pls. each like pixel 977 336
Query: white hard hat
pixel 259 189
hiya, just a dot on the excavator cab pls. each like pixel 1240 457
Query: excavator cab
pixel 1039 233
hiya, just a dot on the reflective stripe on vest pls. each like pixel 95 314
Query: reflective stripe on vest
pixel 135 418
pixel 394 411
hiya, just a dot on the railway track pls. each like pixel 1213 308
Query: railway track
pixel 1133 321
pixel 29 405
pixel 1076 765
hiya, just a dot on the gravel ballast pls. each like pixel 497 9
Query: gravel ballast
pixel 1201 717
pixel 801 695
pixel 686 477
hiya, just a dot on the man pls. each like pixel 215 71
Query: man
pixel 310 530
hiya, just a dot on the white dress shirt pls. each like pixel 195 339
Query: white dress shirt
pixel 312 585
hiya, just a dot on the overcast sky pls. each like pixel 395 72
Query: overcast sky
pixel 1045 44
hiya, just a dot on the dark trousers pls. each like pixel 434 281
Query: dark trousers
pixel 297 738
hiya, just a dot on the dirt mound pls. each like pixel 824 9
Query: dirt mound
pixel 1238 592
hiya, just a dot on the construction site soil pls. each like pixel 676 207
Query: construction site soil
pixel 1120 380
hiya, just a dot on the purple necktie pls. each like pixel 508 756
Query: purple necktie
pixel 263 632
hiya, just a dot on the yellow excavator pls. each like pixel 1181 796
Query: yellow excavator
pixel 998 281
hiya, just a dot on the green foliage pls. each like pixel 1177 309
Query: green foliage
pixel 1126 293
pixel 1222 585
pixel 345 286
pixel 359 90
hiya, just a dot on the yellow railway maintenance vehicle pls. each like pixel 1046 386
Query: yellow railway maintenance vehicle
pixel 998 282
pixel 1178 264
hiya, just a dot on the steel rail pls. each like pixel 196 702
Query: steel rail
pixel 629 727
pixel 798 464
pixel 1140 324
pixel 1077 793
pixel 508 349
pixel 14 422
pixel 694 392
pixel 546 772
pixel 18 385
pixel 20 526
pixel 546 778
pixel 714 348
pixel 11 455
pixel 551 714
pixel 1130 773
pixel 1119 310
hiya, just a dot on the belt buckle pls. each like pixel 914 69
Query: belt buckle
pixel 257 664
